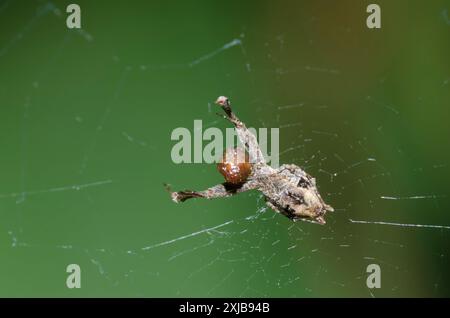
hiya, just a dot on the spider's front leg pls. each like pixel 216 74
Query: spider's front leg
pixel 245 136
pixel 218 191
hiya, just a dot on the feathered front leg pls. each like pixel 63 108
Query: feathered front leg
pixel 218 191
pixel 245 136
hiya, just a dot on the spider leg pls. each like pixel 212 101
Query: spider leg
pixel 218 191
pixel 245 136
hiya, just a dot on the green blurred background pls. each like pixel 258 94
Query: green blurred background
pixel 85 124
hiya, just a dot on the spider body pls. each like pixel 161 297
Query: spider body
pixel 287 190
pixel 292 192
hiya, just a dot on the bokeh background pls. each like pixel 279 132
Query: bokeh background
pixel 85 123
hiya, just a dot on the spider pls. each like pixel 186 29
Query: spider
pixel 287 190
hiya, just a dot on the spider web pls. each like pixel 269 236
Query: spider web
pixel 131 240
